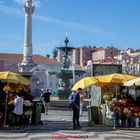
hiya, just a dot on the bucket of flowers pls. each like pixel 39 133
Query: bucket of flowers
pixel 136 115
pixel 127 114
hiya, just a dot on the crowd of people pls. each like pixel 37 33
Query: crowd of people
pixel 16 106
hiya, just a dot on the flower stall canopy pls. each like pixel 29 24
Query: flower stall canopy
pixel 85 83
pixel 15 78
pixel 115 78
pixel 135 82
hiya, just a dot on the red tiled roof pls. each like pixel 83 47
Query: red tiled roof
pixel 109 59
pixel 17 58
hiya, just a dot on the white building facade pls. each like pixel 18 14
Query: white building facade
pixel 130 61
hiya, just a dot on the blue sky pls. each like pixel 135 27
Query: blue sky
pixel 98 23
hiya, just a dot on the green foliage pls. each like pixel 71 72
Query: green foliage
pixel 107 97
pixel 54 52
pixel 47 55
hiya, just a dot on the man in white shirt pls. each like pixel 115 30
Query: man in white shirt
pixel 18 110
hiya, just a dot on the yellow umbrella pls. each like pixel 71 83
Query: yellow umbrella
pixel 12 77
pixel 135 81
pixel 84 83
pixel 114 78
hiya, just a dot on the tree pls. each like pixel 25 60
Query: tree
pixel 47 55
pixel 55 52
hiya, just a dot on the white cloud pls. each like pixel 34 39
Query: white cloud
pixel 85 28
pixel 10 10
pixel 74 25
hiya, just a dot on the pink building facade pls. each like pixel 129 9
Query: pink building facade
pixel 102 54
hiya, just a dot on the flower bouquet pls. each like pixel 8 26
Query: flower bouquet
pixel 136 112
pixel 127 112
pixel 107 97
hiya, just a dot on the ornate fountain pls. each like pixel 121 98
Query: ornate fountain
pixel 66 74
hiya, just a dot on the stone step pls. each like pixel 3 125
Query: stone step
pixel 64 105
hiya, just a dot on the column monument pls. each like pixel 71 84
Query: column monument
pixel 27 63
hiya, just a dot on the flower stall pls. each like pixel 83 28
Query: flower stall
pixel 115 100
pixel 127 113
pixel 8 94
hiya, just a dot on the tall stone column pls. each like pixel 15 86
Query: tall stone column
pixel 27 63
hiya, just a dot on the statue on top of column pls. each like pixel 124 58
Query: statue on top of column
pixel 66 60
pixel 29 8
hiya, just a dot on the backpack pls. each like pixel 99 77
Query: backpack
pixel 71 97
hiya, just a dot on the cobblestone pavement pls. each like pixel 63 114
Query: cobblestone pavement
pixel 58 125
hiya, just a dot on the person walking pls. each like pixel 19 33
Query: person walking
pixel 46 100
pixel 76 109
pixel 18 109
